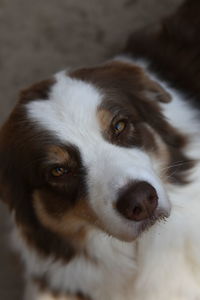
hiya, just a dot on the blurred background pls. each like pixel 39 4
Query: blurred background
pixel 39 38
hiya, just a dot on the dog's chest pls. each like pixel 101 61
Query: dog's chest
pixel 105 271
pixel 108 272
pixel 113 274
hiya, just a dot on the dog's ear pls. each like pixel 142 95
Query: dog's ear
pixel 156 92
pixel 139 80
pixel 39 90
pixel 10 178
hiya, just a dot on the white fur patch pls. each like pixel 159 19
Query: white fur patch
pixel 109 278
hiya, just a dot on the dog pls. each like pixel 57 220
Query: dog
pixel 100 168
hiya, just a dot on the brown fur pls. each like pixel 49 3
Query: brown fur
pixel 25 151
pixel 71 224
pixel 38 90
pixel 57 155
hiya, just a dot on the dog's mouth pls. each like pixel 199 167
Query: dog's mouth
pixel 129 231
pixel 148 223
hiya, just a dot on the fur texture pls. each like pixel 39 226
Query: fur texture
pixel 76 142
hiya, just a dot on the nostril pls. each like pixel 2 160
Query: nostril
pixel 137 210
pixel 137 201
pixel 133 211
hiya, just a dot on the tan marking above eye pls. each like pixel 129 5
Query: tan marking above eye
pixel 57 155
pixel 105 118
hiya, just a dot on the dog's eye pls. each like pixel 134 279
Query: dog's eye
pixel 58 171
pixel 119 126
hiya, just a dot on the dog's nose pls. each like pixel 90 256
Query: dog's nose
pixel 137 201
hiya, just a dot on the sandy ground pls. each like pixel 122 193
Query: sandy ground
pixel 38 38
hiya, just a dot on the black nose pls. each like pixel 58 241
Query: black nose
pixel 137 201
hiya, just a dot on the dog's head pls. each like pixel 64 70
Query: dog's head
pixel 88 148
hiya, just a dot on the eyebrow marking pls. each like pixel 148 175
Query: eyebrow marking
pixel 105 117
pixel 56 154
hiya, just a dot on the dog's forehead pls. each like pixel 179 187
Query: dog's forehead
pixel 75 95
pixel 71 108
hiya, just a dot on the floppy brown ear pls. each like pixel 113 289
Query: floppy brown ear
pixel 10 179
pixel 156 92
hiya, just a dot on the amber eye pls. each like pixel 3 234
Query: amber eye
pixel 119 126
pixel 58 171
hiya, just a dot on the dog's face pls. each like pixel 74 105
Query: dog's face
pixel 88 149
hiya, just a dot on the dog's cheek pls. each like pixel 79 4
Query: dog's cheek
pixel 72 223
pixel 160 157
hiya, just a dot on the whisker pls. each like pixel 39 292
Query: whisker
pixel 177 164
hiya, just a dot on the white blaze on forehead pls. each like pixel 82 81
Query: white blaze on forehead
pixel 70 111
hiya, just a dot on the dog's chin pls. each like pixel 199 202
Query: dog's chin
pixel 135 230
pixel 147 224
